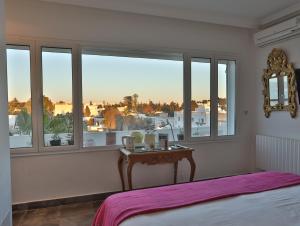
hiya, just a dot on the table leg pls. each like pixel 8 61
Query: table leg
pixel 175 171
pixel 193 167
pixel 120 165
pixel 129 174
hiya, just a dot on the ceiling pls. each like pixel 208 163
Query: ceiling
pixel 241 13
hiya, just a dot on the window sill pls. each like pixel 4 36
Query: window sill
pixel 16 154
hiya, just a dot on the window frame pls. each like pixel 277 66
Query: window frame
pixel 74 52
pixel 35 45
pixel 237 72
pixel 124 52
pixel 33 86
pixel 188 92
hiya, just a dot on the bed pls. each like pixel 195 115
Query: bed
pixel 260 199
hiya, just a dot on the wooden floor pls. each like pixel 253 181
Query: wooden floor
pixel 79 214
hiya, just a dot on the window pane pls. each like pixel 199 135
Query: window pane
pixel 19 96
pixel 200 118
pixel 131 96
pixel 57 96
pixel 226 97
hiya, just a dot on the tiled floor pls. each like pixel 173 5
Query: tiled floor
pixel 79 214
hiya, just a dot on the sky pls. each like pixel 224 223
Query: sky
pixel 110 78
pixel 57 76
pixel 18 74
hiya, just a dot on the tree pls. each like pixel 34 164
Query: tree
pixel 147 109
pixel 91 122
pixel 222 103
pixel 128 102
pixel 173 107
pixel 87 112
pixel 165 108
pixel 46 121
pixel 48 105
pixel 13 106
pixel 23 121
pixel 59 124
pixel 134 102
pixel 194 105
pixel 125 121
pixel 27 106
pixel 110 117
pixel 69 122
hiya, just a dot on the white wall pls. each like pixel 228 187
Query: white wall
pixel 5 193
pixel 54 176
pixel 280 123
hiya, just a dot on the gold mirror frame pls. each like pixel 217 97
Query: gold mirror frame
pixel 278 65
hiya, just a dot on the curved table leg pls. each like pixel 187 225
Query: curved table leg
pixel 120 166
pixel 129 174
pixel 193 167
pixel 175 171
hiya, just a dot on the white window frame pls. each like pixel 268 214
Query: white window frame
pixel 188 93
pixel 235 59
pixel 76 106
pixel 15 42
pixel 122 52
pixel 36 44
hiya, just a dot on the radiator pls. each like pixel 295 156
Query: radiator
pixel 277 153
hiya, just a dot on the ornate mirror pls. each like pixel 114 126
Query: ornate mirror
pixel 279 84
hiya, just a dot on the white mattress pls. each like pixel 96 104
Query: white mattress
pixel 275 208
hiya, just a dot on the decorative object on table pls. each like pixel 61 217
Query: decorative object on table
pixel 150 136
pixel 297 72
pixel 164 144
pixel 163 139
pixel 180 135
pixel 110 138
pixel 138 138
pixel 165 124
pixel 279 82
pixel 128 142
pixel 150 140
pixel 163 136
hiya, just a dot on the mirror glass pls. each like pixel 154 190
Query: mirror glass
pixel 285 90
pixel 273 89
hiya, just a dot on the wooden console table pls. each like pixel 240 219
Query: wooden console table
pixel 153 157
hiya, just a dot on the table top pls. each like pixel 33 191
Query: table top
pixel 145 151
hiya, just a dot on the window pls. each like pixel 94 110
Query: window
pixel 19 96
pixel 57 97
pixel 131 96
pixel 134 93
pixel 200 97
pixel 226 97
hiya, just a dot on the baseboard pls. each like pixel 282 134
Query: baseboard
pixel 88 198
pixel 62 201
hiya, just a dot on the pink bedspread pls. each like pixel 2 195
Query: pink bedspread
pixel 121 206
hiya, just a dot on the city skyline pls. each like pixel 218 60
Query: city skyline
pixel 161 77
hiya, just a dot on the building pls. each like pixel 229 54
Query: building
pixel 95 109
pixel 62 108
pixel 200 117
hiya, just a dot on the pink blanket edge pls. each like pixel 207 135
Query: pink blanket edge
pixel 119 207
